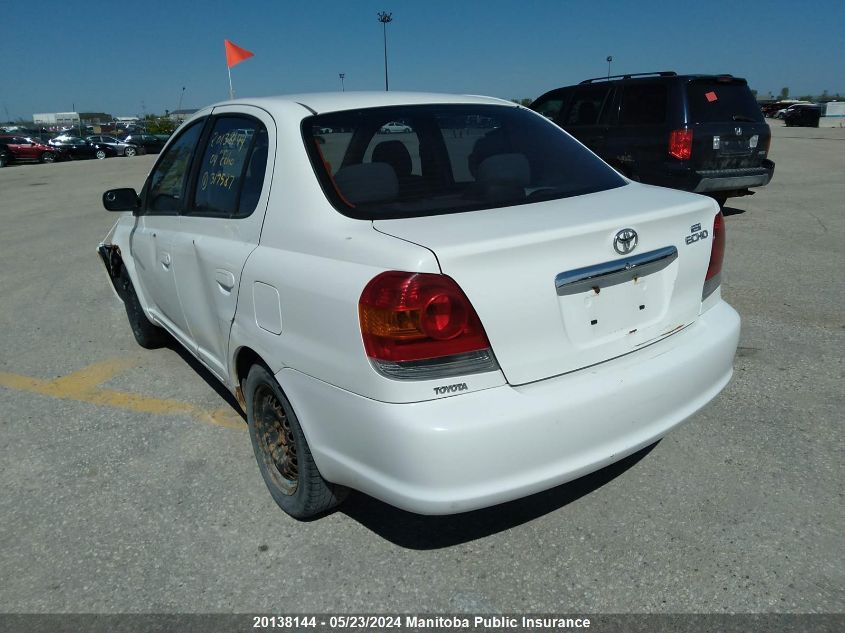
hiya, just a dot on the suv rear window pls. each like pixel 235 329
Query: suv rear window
pixel 454 158
pixel 713 101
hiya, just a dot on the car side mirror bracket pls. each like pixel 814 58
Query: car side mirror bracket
pixel 125 199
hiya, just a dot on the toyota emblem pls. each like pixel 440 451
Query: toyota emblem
pixel 625 241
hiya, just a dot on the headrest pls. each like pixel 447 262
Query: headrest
pixel 367 182
pixel 512 169
pixel 395 154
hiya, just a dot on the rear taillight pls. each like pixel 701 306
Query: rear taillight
pixel 419 326
pixel 717 255
pixel 680 143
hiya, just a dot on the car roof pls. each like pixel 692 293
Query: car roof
pixel 323 102
pixel 664 76
pixel 660 77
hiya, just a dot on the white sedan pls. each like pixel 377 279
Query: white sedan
pixel 446 322
pixel 392 127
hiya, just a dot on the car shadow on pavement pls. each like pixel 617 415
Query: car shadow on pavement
pixel 726 211
pixel 418 532
pixel 205 374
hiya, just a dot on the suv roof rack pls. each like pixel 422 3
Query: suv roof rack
pixel 662 73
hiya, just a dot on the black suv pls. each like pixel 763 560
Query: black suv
pixel 702 133
pixel 802 114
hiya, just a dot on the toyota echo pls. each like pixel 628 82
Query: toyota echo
pixel 464 313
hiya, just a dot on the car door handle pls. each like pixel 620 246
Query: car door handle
pixel 165 260
pixel 224 279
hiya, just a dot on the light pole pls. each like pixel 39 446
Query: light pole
pixel 609 59
pixel 384 18
pixel 179 107
pixel 342 77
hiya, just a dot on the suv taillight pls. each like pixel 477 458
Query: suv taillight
pixel 420 326
pixel 717 254
pixel 680 143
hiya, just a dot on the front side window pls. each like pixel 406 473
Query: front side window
pixel 550 109
pixel 550 104
pixel 456 158
pixel 586 106
pixel 168 181
pixel 231 172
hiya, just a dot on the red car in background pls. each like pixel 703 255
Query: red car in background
pixel 23 148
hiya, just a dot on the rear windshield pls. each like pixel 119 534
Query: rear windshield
pixel 713 101
pixel 409 161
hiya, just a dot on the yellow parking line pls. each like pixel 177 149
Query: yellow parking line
pixel 84 386
pixel 90 377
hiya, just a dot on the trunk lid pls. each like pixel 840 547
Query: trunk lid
pixel 553 294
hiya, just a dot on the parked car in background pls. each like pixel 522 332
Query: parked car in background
pixel 700 133
pixel 781 112
pixel 5 155
pixel 441 321
pixel 78 148
pixel 392 127
pixel 150 143
pixel 771 109
pixel 121 147
pixel 28 149
pixel 803 115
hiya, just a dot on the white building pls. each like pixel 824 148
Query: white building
pixel 58 119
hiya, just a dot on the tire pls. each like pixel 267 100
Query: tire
pixel 282 452
pixel 47 157
pixel 129 151
pixel 100 154
pixel 146 334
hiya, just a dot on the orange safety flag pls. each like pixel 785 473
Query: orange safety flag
pixel 235 54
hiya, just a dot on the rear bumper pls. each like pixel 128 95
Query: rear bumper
pixel 715 180
pixel 731 179
pixel 483 448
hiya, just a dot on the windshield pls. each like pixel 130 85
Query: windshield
pixel 409 161
pixel 713 101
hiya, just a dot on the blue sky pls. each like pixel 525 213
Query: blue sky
pixel 125 58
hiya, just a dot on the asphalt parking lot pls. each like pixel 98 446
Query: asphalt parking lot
pixel 130 483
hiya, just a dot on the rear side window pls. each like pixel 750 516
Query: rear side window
pixel 456 158
pixel 713 101
pixel 643 104
pixel 231 172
